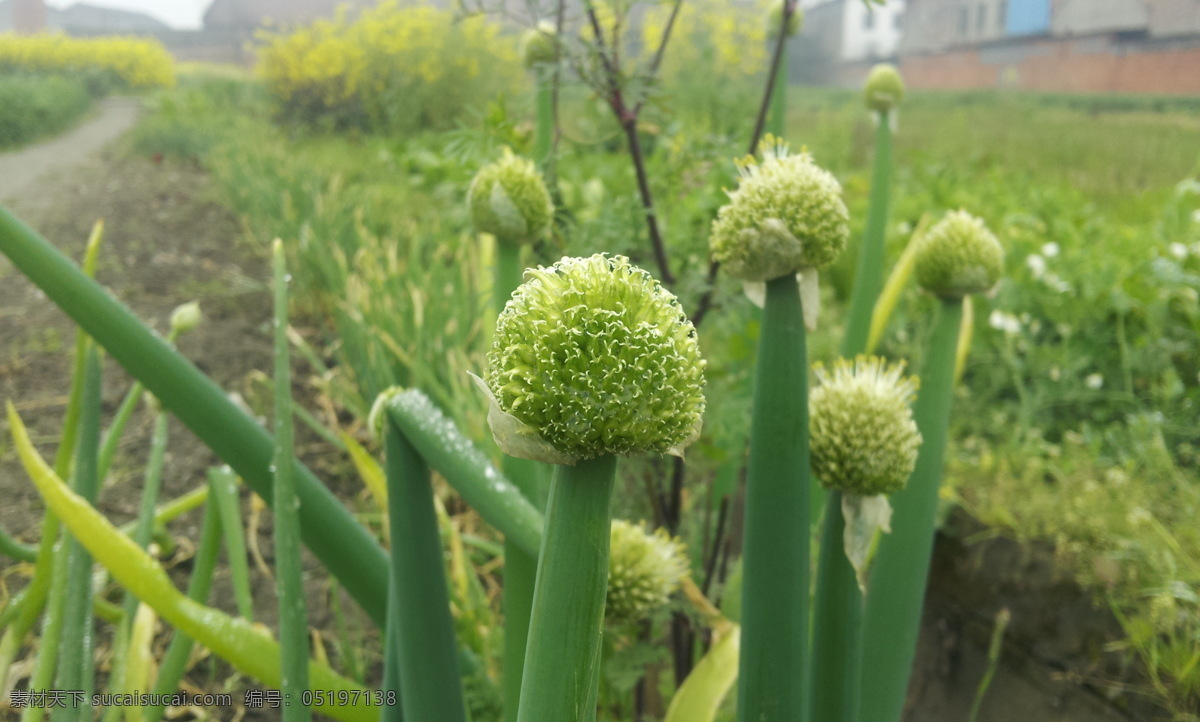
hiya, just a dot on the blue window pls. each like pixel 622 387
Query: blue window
pixel 1028 17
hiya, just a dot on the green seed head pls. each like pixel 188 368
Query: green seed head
pixel 644 570
pixel 861 431
pixel 539 46
pixel 509 200
pixel 884 88
pixel 775 16
pixel 958 256
pixel 595 357
pixel 786 214
pixel 185 317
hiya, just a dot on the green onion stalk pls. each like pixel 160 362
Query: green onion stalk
pixel 539 52
pixel 509 200
pixel 14 549
pixel 957 257
pixel 293 617
pixel 223 490
pixel 47 583
pixel 422 654
pixel 334 536
pixel 174 662
pixel 183 319
pixel 591 359
pixel 141 536
pixel 805 228
pixel 645 567
pixel 864 445
pixel 78 641
pixel 247 648
pixel 562 664
pixel 775 566
pixel 448 451
pixel 837 617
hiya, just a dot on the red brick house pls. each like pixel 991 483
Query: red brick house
pixel 1138 46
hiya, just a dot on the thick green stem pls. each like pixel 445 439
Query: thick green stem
pixel 341 543
pixel 837 617
pixel 868 277
pixel 75 655
pixel 508 273
pixel 452 455
pixel 520 573
pixel 174 662
pixel 49 575
pixel 293 618
pixel 775 574
pixel 423 648
pixel 893 607
pixel 837 626
pixel 520 567
pixel 391 667
pixel 562 663
pixel 248 649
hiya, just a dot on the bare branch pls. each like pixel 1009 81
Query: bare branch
pixel 639 166
pixel 658 54
pixel 789 9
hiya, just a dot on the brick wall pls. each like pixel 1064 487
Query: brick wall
pixel 1095 65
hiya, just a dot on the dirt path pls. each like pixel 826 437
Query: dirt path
pixel 20 168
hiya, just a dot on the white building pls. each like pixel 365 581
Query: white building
pixel 870 33
pixel 851 31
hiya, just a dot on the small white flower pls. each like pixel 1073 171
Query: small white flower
pixel 1179 251
pixel 1037 265
pixel 1005 322
pixel 1094 381
pixel 1050 250
pixel 1055 373
pixel 1138 515
pixel 1056 282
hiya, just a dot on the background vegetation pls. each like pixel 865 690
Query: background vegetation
pixel 1076 421
pixel 33 107
pixel 47 82
pixel 1083 358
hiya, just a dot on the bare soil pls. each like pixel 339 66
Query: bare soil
pixel 1056 664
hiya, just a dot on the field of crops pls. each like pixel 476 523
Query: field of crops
pixel 1026 267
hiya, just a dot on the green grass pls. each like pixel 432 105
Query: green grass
pixel 33 107
pixel 1084 362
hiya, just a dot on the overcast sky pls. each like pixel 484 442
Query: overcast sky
pixel 187 14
